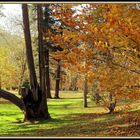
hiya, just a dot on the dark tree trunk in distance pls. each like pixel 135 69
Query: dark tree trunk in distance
pixel 112 104
pixel 85 92
pixel 58 70
pixel 47 82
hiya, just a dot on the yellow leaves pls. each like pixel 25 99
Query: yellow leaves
pixel 65 38
pixel 129 20
pixel 111 29
pixel 90 76
pixel 113 36
pixel 101 45
pixel 106 45
pixel 65 65
pixel 95 29
pixel 67 6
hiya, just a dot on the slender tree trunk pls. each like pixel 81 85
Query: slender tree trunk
pixel 0 81
pixel 41 48
pixel 44 107
pixel 57 80
pixel 85 91
pixel 47 76
pixel 29 52
pixel 47 82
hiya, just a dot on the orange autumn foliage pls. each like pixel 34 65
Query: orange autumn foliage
pixel 104 36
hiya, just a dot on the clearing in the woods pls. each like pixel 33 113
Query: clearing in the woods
pixel 70 119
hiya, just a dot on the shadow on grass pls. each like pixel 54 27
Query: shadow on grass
pixel 88 125
pixel 74 124
pixel 77 124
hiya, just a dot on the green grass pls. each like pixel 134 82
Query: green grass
pixel 70 119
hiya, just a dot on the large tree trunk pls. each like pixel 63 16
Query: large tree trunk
pixel 44 107
pixel 58 70
pixel 34 97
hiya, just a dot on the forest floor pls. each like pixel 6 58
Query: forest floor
pixel 71 119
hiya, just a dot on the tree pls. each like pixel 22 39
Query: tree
pixel 40 106
pixel 85 91
pixel 106 35
pixel 46 29
pixel 58 70
pixel 33 102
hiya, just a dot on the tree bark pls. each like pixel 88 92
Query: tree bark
pixel 0 81
pixel 85 91
pixel 29 52
pixel 47 82
pixel 41 49
pixel 58 70
pixel 44 107
pixel 47 76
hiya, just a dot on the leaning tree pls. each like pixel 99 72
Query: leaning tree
pixel 33 102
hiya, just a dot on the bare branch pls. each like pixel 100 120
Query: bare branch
pixel 12 98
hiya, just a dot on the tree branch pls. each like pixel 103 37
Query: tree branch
pixel 119 65
pixel 12 98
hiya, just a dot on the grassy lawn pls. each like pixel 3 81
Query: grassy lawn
pixel 70 119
